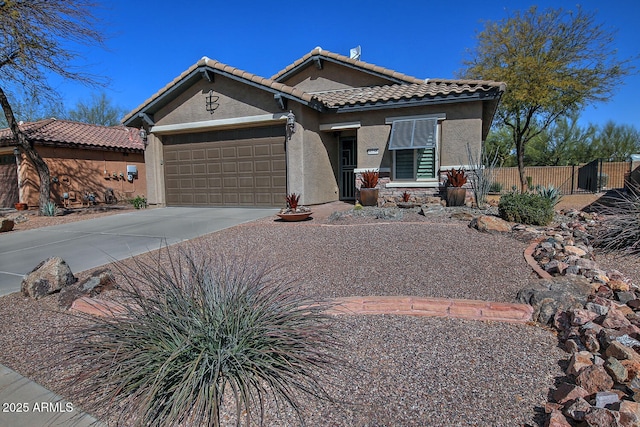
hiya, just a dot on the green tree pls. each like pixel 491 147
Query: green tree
pixel 563 143
pixel 35 41
pixel 98 111
pixel 499 143
pixel 554 63
pixel 615 143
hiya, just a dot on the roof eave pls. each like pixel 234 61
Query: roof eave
pixel 415 102
pixel 134 119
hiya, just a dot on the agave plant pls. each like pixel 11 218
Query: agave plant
pixel 552 193
pixel 369 179
pixel 202 336
pixel 50 209
pixel 456 177
pixel 292 201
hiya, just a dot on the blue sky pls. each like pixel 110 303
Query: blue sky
pixel 152 42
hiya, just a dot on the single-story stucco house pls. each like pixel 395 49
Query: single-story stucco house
pixel 83 159
pixel 221 136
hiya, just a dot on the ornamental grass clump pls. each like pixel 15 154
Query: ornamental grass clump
pixel 525 208
pixel 620 230
pixel 204 336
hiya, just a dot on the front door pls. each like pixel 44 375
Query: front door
pixel 348 163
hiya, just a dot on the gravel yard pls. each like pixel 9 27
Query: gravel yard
pixel 403 370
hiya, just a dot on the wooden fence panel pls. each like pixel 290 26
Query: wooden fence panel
pixel 563 177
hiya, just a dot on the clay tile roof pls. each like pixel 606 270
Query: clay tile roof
pixel 345 59
pixel 398 92
pixel 68 133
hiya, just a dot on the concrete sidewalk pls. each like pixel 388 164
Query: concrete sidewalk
pixel 27 404
pixel 95 242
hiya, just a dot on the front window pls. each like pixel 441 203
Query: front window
pixel 414 143
pixel 414 165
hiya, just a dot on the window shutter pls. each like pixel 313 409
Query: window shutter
pixel 413 134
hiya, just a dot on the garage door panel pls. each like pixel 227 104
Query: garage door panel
pixel 245 151
pixel 230 183
pixel 229 167
pixel 229 153
pixel 207 169
pixel 245 167
pixel 262 165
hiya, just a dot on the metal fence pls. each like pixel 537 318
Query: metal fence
pixel 569 179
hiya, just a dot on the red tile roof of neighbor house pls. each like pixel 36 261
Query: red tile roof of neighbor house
pixel 54 132
pixel 407 88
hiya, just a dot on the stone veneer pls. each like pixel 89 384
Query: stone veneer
pixel 389 197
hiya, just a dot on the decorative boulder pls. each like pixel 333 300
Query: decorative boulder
pixel 48 277
pixel 6 225
pixel 99 281
pixel 490 224
pixel 556 295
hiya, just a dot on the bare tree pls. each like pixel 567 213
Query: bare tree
pixel 98 111
pixel 35 37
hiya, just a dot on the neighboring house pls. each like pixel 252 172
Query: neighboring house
pixel 83 159
pixel 221 136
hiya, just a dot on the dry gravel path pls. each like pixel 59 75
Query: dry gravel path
pixel 404 371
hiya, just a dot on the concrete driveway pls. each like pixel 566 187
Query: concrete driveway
pixel 95 242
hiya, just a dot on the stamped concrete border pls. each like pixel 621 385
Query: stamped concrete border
pixel 398 305
pixel 528 256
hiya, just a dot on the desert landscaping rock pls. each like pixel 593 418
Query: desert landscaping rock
pixel 99 281
pixel 48 277
pixel 6 225
pixel 490 224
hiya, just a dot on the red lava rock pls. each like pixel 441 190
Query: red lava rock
pixel 594 379
pixel 567 392
pixel 556 419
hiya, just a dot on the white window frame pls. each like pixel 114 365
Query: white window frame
pixel 418 182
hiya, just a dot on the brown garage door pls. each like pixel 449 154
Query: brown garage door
pixel 244 167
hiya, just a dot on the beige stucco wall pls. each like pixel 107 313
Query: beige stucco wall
pixel 312 155
pixel 79 171
pixel 234 100
pixel 318 170
pixel 331 77
pixel 462 125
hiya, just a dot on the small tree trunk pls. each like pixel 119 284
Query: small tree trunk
pixel 32 154
pixel 520 155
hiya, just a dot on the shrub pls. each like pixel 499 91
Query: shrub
pixel 525 208
pixel 620 231
pixel 50 209
pixel 197 331
pixel 495 187
pixel 369 179
pixel 139 202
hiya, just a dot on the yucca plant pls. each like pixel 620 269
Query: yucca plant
pixel 202 336
pixel 292 201
pixel 369 179
pixel 406 196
